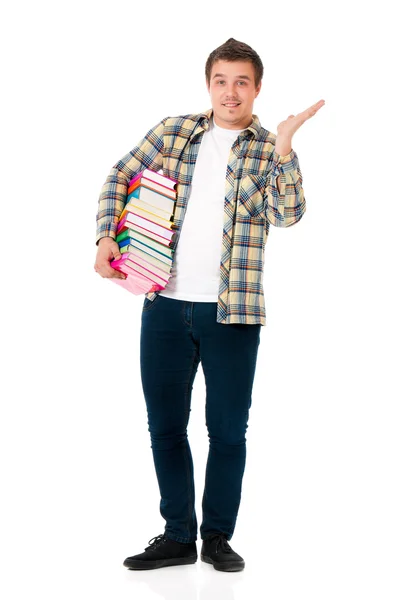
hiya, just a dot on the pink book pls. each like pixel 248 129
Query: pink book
pixel 155 176
pixel 135 285
pixel 140 259
pixel 123 265
pixel 135 282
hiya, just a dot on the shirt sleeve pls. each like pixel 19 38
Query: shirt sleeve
pixel 147 154
pixel 284 208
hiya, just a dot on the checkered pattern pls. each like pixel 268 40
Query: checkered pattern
pixel 252 201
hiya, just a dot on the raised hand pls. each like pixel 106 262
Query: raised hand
pixel 286 129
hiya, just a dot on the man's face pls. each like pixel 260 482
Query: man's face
pixel 232 82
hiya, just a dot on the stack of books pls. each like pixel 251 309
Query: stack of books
pixel 146 232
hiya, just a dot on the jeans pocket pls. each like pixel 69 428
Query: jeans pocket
pixel 148 304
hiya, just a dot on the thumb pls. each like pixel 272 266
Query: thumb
pixel 116 254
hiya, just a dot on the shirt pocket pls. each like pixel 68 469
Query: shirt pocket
pixel 251 196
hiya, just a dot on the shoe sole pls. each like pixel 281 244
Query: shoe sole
pixel 225 566
pixel 140 565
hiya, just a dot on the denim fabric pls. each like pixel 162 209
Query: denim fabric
pixel 176 335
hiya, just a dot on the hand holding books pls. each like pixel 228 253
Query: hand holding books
pixel 145 234
pixel 108 250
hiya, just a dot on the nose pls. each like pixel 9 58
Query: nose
pixel 231 91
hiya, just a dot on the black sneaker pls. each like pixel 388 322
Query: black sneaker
pixel 217 552
pixel 163 552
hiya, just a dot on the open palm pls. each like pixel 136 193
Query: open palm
pixel 286 129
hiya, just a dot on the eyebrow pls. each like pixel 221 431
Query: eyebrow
pixel 237 77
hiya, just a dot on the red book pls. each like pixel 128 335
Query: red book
pixel 152 186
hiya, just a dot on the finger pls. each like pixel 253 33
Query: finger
pixel 315 107
pixel 116 275
pixel 107 271
pixel 120 275
pixel 307 114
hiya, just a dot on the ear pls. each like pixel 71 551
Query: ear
pixel 258 88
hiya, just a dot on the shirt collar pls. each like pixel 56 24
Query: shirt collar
pixel 252 130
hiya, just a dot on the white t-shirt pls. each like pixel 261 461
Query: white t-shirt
pixel 196 266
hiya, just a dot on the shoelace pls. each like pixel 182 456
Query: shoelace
pixel 222 542
pixel 156 541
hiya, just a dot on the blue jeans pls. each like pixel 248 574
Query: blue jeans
pixel 175 336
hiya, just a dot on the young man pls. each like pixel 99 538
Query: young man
pixel 235 179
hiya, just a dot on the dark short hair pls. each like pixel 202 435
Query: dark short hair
pixel 232 50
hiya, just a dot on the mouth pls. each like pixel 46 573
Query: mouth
pixel 231 104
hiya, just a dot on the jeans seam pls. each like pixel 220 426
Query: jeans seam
pixel 190 498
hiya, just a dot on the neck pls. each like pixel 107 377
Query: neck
pixel 237 125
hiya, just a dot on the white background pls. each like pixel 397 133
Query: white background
pixel 84 82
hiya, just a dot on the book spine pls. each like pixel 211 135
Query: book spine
pixel 157 177
pixel 149 225
pixel 164 220
pixel 134 258
pixel 153 185
pixel 147 249
pixel 147 237
pixel 148 273
pixel 156 262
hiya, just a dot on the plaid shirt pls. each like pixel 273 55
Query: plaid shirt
pixel 252 201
